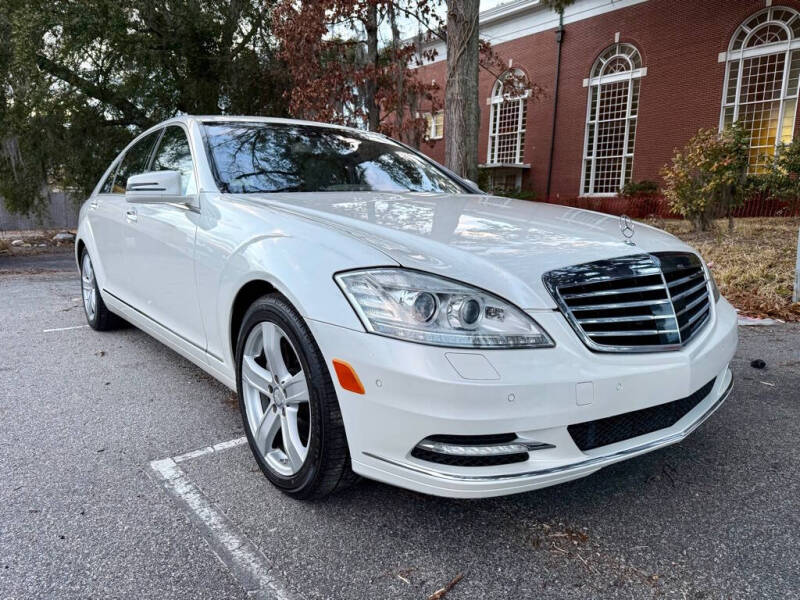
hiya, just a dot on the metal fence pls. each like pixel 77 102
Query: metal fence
pixel 658 206
pixel 61 213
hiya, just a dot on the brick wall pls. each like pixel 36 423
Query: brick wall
pixel 679 41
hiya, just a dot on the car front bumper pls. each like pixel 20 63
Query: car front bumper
pixel 414 391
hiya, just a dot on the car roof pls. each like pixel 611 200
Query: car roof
pixel 254 119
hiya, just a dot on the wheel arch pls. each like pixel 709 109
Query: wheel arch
pixel 80 245
pixel 244 298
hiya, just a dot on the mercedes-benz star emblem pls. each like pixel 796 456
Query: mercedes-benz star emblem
pixel 626 227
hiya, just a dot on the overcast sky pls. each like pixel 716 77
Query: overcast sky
pixel 409 27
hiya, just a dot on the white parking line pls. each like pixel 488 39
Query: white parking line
pixel 210 449
pixel 64 328
pixel 241 556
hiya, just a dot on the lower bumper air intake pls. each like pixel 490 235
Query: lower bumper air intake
pixel 602 432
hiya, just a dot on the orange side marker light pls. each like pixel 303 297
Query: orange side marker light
pixel 348 378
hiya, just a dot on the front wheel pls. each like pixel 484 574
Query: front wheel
pixel 97 314
pixel 288 402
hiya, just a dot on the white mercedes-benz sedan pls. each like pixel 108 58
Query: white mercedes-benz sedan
pixel 379 316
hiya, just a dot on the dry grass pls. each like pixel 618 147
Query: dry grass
pixel 754 266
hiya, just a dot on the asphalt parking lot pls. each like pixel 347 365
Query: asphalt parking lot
pixel 89 421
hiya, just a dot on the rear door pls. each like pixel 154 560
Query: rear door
pixel 109 218
pixel 161 256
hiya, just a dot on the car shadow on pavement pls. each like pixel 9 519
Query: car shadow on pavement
pixel 707 517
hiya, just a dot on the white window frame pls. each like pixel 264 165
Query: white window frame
pixel 432 133
pixel 787 48
pixel 430 123
pixel 496 99
pixel 593 84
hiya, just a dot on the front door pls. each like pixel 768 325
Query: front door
pixel 162 258
pixel 109 218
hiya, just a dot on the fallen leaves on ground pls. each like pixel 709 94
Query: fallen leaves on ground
pixel 754 266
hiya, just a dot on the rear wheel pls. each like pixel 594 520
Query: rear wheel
pixel 97 314
pixel 288 402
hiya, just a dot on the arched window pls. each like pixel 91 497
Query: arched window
pixel 761 81
pixel 507 119
pixel 611 119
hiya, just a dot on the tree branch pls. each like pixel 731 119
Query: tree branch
pixel 439 32
pixel 248 36
pixel 131 112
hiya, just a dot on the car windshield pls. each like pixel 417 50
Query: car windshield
pixel 276 157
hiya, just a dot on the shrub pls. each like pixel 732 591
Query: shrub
pixel 520 194
pixel 709 176
pixel 484 182
pixel 639 189
pixel 782 181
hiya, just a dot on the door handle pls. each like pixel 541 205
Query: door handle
pixel 131 215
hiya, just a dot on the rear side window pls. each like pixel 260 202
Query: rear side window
pixel 135 161
pixel 174 154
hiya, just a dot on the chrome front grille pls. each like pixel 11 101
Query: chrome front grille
pixel 640 303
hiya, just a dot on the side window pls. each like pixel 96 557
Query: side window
pixel 174 154
pixel 134 162
pixel 108 184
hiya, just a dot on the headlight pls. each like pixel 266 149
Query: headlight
pixel 416 307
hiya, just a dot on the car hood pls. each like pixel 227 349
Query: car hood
pixel 499 244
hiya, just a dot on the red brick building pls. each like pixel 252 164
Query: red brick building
pixel 637 79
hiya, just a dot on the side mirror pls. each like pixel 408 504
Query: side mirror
pixel 474 185
pixel 154 186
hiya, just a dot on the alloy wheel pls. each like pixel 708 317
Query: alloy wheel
pixel 276 398
pixel 88 287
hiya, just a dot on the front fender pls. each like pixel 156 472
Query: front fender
pixel 85 238
pixel 295 256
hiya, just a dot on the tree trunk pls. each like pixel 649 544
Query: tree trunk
pixel 462 108
pixel 371 27
pixel 399 73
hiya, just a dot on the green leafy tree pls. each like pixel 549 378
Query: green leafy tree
pixel 709 176
pixel 782 181
pixel 79 79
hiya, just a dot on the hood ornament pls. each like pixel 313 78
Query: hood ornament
pixel 626 227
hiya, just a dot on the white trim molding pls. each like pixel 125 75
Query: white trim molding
pixel 519 18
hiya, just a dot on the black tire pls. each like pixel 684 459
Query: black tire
pixel 327 466
pixel 102 319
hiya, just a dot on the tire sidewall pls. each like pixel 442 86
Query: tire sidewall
pixel 92 321
pixel 274 309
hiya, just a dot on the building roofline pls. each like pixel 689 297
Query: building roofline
pixel 507 10
pixel 520 18
pixel 492 15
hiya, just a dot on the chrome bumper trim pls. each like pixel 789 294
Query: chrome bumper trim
pixel 595 461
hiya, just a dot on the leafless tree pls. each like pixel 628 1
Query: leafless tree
pixel 462 108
